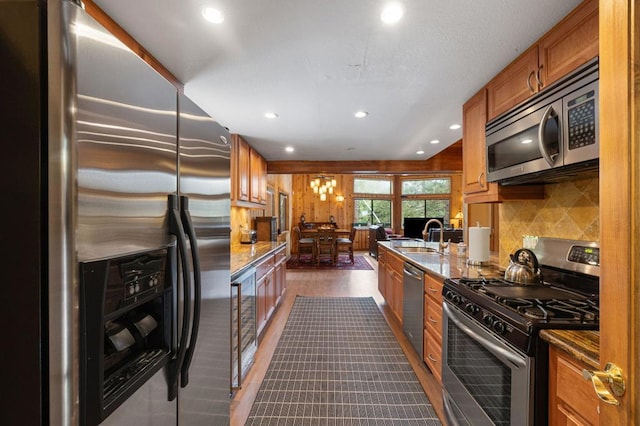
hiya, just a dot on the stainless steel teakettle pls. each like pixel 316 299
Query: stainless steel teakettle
pixel 523 268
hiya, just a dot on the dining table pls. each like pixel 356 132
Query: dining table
pixel 314 232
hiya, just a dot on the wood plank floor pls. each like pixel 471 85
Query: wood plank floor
pixel 331 284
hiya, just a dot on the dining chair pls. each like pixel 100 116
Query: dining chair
pixel 345 245
pixel 308 245
pixel 325 244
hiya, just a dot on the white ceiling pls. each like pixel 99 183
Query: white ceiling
pixel 317 62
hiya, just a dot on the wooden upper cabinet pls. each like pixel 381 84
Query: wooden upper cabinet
pixel 514 84
pixel 569 44
pixel 474 170
pixel 240 169
pixel 258 187
pixel 476 189
pixel 248 175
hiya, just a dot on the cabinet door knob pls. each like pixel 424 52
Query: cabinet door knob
pixel 612 375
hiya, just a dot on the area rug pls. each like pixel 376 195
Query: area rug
pixel 344 264
pixel 338 363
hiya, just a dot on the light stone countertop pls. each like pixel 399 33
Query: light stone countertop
pixel 243 255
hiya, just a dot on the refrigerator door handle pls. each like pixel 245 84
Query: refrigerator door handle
pixel 176 228
pixel 187 223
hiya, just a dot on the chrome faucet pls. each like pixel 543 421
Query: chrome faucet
pixel 425 235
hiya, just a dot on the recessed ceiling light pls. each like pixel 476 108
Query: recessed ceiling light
pixel 361 114
pixel 392 13
pixel 289 149
pixel 419 152
pixel 212 15
pixel 435 141
pixel 455 126
pixel 271 115
pixel 526 141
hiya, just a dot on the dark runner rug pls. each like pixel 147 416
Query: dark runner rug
pixel 338 363
pixel 344 264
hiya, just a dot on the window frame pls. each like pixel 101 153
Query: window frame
pixel 425 197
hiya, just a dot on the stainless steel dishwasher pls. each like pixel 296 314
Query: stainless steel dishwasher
pixel 413 306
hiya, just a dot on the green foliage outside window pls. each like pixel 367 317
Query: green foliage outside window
pixel 426 186
pixel 372 186
pixel 372 211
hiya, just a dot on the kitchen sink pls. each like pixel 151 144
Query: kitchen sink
pixel 416 249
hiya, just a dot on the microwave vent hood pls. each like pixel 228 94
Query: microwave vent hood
pixel 550 137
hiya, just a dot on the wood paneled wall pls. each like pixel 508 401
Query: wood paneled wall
pixel 304 200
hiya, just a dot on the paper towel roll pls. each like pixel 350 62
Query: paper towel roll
pixel 479 243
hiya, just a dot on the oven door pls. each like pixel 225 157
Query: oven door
pixel 485 380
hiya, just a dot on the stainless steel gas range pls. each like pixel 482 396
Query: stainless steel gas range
pixel 495 366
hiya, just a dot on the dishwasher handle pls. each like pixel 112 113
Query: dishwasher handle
pixel 413 272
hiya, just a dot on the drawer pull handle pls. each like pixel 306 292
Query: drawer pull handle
pixel 433 290
pixel 433 320
pixel 431 358
pixel 612 375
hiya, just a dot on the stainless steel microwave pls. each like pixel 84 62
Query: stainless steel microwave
pixel 552 136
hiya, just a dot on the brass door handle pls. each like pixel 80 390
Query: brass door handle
pixel 612 375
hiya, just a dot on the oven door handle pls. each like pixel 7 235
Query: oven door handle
pixel 487 343
pixel 187 224
pixel 550 159
pixel 176 228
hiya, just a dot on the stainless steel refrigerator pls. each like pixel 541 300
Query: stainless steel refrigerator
pixel 108 170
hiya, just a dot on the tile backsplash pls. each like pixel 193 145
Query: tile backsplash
pixel 568 210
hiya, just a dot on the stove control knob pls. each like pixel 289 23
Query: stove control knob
pixel 487 320
pixel 449 294
pixel 457 299
pixel 499 327
pixel 471 308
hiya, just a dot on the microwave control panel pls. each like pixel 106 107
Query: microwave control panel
pixel 582 120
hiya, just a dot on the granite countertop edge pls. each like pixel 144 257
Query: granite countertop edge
pixel 245 255
pixel 583 345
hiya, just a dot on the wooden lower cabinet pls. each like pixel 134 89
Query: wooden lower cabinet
pixel 433 354
pixel 390 285
pixel 382 272
pixel 361 239
pixel 572 400
pixel 270 284
pixel 433 325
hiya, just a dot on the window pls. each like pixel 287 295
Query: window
pixel 429 197
pixel 426 186
pixel 372 200
pixel 283 211
pixel 372 211
pixel 372 186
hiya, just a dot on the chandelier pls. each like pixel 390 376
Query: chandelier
pixel 323 185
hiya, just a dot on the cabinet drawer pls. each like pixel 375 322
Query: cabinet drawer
pixel 281 255
pixel 433 288
pixel 382 253
pixel 396 263
pixel 265 266
pixel 575 391
pixel 433 355
pixel 433 317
